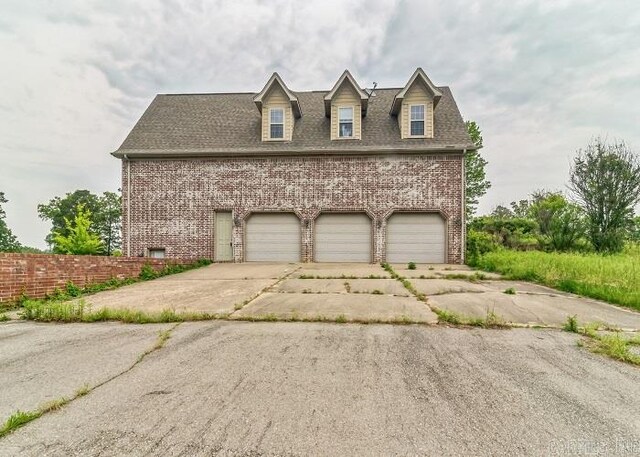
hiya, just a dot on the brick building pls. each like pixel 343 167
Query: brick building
pixel 340 175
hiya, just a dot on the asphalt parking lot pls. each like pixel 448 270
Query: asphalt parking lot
pixel 277 388
pixel 346 383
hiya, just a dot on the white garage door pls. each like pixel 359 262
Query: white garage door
pixel 273 237
pixel 416 237
pixel 343 238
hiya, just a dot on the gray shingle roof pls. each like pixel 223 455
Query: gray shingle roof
pixel 195 124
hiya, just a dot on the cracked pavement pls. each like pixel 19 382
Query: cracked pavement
pixel 242 388
pixel 359 293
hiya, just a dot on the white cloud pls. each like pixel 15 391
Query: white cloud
pixel 541 78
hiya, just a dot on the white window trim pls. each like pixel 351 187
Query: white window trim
pixel 158 250
pixel 284 115
pixel 353 123
pixel 424 120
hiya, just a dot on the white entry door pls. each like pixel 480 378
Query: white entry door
pixel 222 235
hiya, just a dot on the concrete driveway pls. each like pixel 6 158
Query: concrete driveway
pixel 243 388
pixel 358 293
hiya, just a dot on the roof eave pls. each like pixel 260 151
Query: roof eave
pixel 150 154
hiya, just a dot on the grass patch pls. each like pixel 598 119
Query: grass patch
pixel 405 282
pixel 616 347
pixel 613 345
pixel 3 317
pixel 341 319
pixel 491 319
pixel 78 311
pixel 53 405
pixel 611 278
pixel 510 291
pixel 163 336
pixel 411 266
pixel 17 420
pixel 474 277
pixel 82 391
pixel 571 325
pixel 448 317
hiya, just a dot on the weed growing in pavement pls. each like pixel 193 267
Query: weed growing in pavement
pixel 510 291
pixel 613 345
pixel 616 347
pixel 377 292
pixel 572 324
pixel 17 420
pixel 82 391
pixel 347 286
pixel 48 311
pixel 411 266
pixel 448 316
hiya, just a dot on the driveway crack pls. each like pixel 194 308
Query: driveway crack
pixel 12 424
pixel 239 306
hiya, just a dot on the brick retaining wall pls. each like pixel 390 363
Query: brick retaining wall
pixel 36 275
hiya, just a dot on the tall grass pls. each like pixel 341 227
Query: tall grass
pixel 612 278
pixel 50 311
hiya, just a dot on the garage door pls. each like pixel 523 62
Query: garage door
pixel 416 237
pixel 343 238
pixel 273 237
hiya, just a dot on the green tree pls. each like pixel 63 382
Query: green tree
pixel 105 210
pixel 78 238
pixel 108 221
pixel 475 175
pixel 8 241
pixel 605 180
pixel 634 230
pixel 560 222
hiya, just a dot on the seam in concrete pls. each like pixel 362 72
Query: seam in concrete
pixel 265 289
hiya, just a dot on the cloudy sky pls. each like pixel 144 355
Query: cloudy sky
pixel 540 77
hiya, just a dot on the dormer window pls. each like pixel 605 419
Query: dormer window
pixel 346 122
pixel 279 108
pixel 414 106
pixel 276 123
pixel 417 120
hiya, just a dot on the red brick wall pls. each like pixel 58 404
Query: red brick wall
pixel 173 201
pixel 39 274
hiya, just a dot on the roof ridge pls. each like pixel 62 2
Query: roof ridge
pixel 315 91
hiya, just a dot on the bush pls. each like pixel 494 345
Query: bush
pixel 147 272
pixel 479 243
pixel 514 232
pixel 411 266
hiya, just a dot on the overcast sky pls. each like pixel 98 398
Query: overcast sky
pixel 540 78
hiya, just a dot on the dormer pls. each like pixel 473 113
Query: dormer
pixel 346 105
pixel 279 108
pixel 414 106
